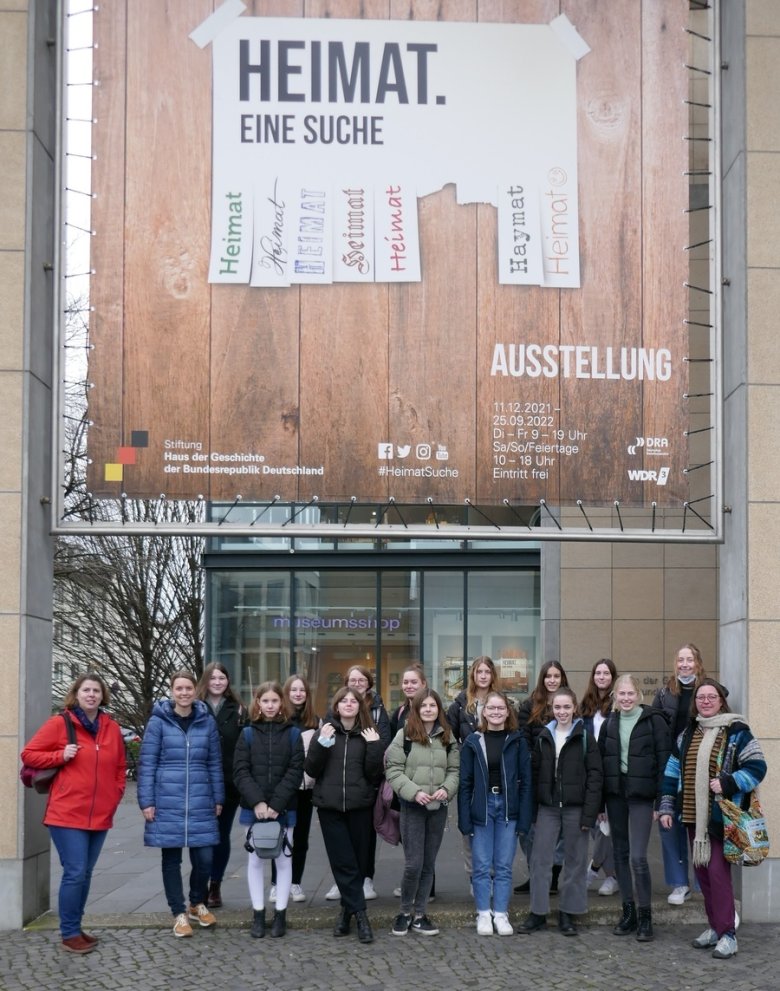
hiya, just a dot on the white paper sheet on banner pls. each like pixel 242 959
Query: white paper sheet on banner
pixel 308 104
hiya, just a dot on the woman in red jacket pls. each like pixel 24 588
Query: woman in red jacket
pixel 84 795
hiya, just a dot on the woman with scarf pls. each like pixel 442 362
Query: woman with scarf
pixel 716 755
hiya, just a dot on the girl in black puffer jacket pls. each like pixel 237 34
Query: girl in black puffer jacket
pixel 268 770
pixel 635 744
pixel 346 762
pixel 566 766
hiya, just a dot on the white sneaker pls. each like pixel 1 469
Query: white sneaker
pixel 397 892
pixel 272 893
pixel 368 889
pixel 502 924
pixel 725 947
pixel 333 894
pixel 609 886
pixel 680 895
pixel 593 879
pixel 484 924
pixel 297 893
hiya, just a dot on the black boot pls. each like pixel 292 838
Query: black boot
pixel 627 922
pixel 343 923
pixel 279 925
pixel 258 924
pixel 533 921
pixel 214 899
pixel 644 930
pixel 566 924
pixel 556 873
pixel 364 928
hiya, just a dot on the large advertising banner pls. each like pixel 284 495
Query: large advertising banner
pixel 362 253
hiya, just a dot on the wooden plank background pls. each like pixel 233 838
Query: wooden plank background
pixel 323 374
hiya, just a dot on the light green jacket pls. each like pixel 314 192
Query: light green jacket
pixel 426 768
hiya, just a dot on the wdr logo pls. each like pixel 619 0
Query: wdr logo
pixel 660 477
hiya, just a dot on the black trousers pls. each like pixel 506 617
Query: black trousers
pixel 347 842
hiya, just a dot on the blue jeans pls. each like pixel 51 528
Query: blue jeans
pixel 221 852
pixel 200 857
pixel 674 847
pixel 78 850
pixel 493 847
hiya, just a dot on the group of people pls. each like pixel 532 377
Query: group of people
pixel 552 775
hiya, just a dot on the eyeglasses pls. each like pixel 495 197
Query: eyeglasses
pixel 707 698
pixel 495 708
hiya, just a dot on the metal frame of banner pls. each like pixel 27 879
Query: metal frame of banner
pixel 699 519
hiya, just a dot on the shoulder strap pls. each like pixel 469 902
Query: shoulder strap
pixel 70 729
pixel 247 731
pixel 407 746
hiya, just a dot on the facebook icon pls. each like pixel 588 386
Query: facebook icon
pixel 384 451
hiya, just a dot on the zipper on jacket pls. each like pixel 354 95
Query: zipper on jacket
pixel 344 773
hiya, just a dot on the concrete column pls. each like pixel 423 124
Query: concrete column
pixel 28 53
pixel 749 561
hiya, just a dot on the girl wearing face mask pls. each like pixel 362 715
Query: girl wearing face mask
pixel 635 745
pixel 423 770
pixel 345 759
pixel 674 700
pixel 717 755
pixel 566 766
pixel 225 706
pixel 268 770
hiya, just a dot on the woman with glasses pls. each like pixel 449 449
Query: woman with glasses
pixel 635 747
pixel 716 755
pixel 494 806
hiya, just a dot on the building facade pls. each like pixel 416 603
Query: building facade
pixel 443 605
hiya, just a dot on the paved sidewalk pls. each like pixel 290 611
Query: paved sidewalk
pixel 137 950
pixel 127 884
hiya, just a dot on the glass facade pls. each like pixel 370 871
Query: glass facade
pixel 267 623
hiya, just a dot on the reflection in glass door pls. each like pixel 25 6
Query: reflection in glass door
pixel 335 626
pixel 267 624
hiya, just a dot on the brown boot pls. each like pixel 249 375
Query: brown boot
pixel 214 899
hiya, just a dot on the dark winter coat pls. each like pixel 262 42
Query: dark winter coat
pixel 474 783
pixel 648 751
pixel 462 722
pixel 346 774
pixel 269 770
pixel 379 714
pixel 530 730
pixel 676 707
pixel 180 775
pixel 231 718
pixel 578 778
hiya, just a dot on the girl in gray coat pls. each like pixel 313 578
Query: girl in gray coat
pixel 423 770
